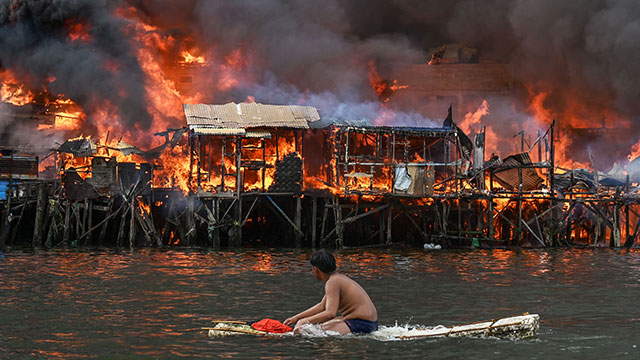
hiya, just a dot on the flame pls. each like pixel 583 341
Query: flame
pixel 78 31
pixel 635 151
pixel 187 58
pixel 143 207
pixel 15 94
pixel 381 87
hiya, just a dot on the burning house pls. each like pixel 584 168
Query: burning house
pixel 248 146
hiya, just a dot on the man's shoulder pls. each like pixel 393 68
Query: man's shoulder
pixel 339 279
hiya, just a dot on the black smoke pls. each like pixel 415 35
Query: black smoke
pixel 305 51
pixel 35 45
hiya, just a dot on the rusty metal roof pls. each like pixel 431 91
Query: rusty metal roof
pixel 250 115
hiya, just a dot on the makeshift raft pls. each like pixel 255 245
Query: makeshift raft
pixel 515 327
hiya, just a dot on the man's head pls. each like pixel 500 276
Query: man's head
pixel 324 261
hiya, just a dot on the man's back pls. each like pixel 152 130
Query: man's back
pixel 354 301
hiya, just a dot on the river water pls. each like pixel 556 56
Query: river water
pixel 150 304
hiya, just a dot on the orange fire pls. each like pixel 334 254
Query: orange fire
pixel 15 94
pixel 188 58
pixel 78 31
pixel 382 88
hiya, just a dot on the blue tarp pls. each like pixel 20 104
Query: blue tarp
pixel 4 185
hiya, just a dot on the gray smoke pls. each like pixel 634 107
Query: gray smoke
pixel 587 47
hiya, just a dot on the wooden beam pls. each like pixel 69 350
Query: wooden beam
pixel 358 217
pixel 283 214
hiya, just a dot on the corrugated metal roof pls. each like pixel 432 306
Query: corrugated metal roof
pixel 250 115
pixel 258 134
pixel 507 174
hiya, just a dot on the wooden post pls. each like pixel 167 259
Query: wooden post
pixel 339 226
pixel 491 218
pixel 216 232
pixel 103 230
pixel 554 212
pixel 132 223
pixel 39 221
pixel 191 223
pixel 76 213
pixel 67 216
pixel 192 146
pixel 626 215
pixel 459 218
pixel 166 238
pixel 615 233
pixel 235 231
pixel 381 219
pixel 314 220
pixel 89 218
pixel 52 233
pixel 298 221
pixel 519 228
pixel 389 224
pixel 325 213
pixel 123 222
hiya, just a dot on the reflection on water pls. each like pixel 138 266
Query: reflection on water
pixel 152 303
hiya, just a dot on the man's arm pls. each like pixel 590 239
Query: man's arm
pixel 329 311
pixel 309 312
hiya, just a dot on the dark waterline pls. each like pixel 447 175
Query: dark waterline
pixel 152 303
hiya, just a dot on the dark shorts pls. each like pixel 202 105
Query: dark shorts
pixel 358 326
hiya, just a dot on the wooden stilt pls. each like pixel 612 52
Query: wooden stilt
pixel 381 218
pixel 52 233
pixel 389 224
pixel 89 222
pixel 78 221
pixel 314 220
pixel 325 213
pixel 190 234
pixel 339 224
pixel 298 221
pixel 132 223
pixel 166 233
pixel 216 231
pixel 39 221
pixel 105 225
pixel 615 231
pixel 123 222
pixel 235 231
pixel 16 225
pixel 67 218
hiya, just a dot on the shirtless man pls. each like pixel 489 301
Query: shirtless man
pixel 343 295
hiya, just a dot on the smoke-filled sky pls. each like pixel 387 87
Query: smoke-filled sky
pixel 316 52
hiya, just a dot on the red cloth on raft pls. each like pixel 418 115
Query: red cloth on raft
pixel 271 326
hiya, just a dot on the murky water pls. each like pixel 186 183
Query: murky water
pixel 152 303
